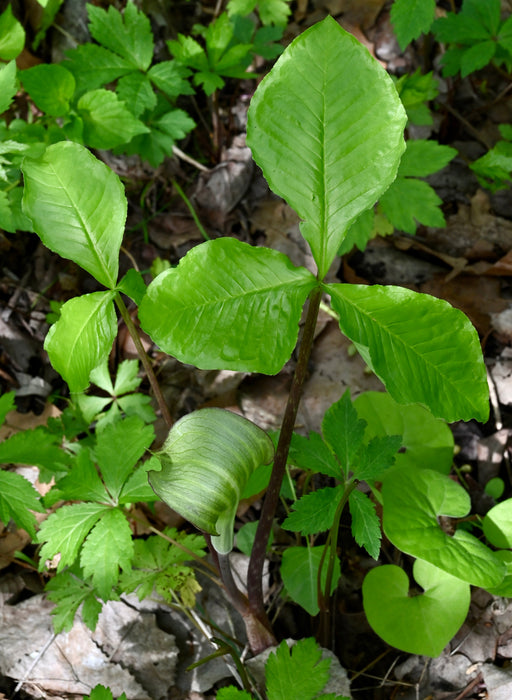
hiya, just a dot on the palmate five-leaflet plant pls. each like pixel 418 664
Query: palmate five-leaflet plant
pixel 330 149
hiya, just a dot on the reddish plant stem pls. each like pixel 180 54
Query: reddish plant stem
pixel 146 363
pixel 255 572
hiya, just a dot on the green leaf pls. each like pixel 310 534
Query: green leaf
pixel 410 18
pixel 107 121
pixel 392 326
pixel 497 525
pixel 68 592
pixel 343 431
pixel 136 92
pixel 477 57
pixel 504 589
pixel 82 337
pixel 206 461
pixel 224 297
pixel 413 502
pixel 35 447
pixel 422 158
pixel 159 142
pixel 119 447
pixel 6 405
pixel 12 35
pixel 171 78
pixel 94 66
pixel 128 35
pixel 365 523
pixel 108 546
pixel 409 202
pixel 51 87
pixel 427 441
pixel 299 672
pixel 133 285
pixel 314 512
pixel 377 457
pixel 494 169
pixel 99 692
pixel 270 11
pixel 80 218
pixel 81 484
pixel 232 693
pixel 64 531
pixel 299 571
pixel 419 624
pixel 8 85
pixel 314 455
pixel 17 498
pixel 325 145
pixel 136 488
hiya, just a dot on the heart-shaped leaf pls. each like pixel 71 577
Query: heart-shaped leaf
pixel 78 208
pixel 206 461
pixel 228 305
pixel 413 502
pixel 505 588
pixel 82 337
pixel 427 442
pixel 326 127
pixel 392 329
pixel 498 525
pixel 420 624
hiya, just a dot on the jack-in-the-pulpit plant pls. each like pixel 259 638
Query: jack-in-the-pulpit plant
pixel 326 127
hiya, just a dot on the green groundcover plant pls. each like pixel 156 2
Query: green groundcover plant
pixel 331 150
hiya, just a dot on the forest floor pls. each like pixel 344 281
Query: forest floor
pixel 468 263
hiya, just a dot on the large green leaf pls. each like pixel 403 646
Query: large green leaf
pixel 206 461
pixel 414 500
pixel 82 337
pixel 419 624
pixel 423 349
pixel 78 208
pixel 326 127
pixel 228 306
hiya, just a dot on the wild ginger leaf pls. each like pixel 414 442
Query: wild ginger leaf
pixel 68 591
pixel 409 202
pixel 314 512
pixel 365 523
pixel 119 446
pixel 222 299
pixel 299 672
pixel 79 218
pixel 64 531
pixel 325 145
pixel 107 121
pixel 17 498
pixel 108 546
pixel 343 430
pixel 128 35
pixel 410 18
pixel 82 337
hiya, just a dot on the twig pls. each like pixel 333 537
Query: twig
pixel 33 665
pixel 183 156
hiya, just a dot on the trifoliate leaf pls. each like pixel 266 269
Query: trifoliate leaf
pixel 314 512
pixel 119 447
pixel 107 121
pixel 410 18
pixel 108 547
pixel 422 158
pixel 68 591
pixel 17 498
pixel 299 672
pixel 128 35
pixel 64 531
pixel 409 202
pixel 314 455
pixel 365 523
pixel 94 66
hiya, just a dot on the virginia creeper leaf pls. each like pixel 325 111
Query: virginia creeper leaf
pixel 427 441
pixel 206 461
pixel 299 571
pixel 108 546
pixel 225 298
pixel 82 337
pixel 80 218
pixel 325 145
pixel 421 624
pixel 414 500
pixel 393 328
pixel 64 531
pixel 17 499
